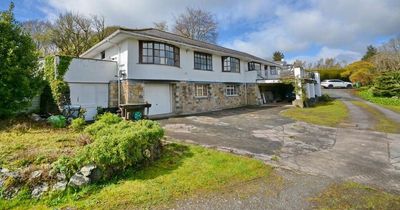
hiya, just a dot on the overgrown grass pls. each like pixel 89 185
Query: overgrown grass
pixel 25 143
pixel 383 123
pixel 182 171
pixel 325 113
pixel 390 103
pixel 351 195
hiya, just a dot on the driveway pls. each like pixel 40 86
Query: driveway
pixel 350 152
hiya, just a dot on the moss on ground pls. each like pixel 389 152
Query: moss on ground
pixel 383 124
pixel 350 195
pixel 326 113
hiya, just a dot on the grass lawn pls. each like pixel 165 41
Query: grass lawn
pixel 351 195
pixel 182 171
pixel 389 103
pixel 326 113
pixel 383 123
pixel 25 143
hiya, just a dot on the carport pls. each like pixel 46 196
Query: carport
pixel 276 93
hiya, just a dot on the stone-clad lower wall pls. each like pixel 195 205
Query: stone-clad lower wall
pixel 184 99
pixel 186 102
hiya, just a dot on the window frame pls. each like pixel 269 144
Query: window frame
pixel 204 90
pixel 231 62
pixel 253 65
pixel 208 61
pixel 151 51
pixel 273 71
pixel 232 90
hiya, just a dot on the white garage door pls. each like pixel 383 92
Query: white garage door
pixel 159 96
pixel 89 96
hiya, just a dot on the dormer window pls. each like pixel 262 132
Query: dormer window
pixel 158 53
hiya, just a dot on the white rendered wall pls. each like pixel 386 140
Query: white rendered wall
pixel 91 71
pixel 317 86
pixel 186 71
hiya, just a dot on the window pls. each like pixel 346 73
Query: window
pixel 201 90
pixel 232 90
pixel 103 55
pixel 254 66
pixel 202 61
pixel 230 64
pixel 158 53
pixel 272 70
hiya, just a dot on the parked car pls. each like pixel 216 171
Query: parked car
pixel 335 83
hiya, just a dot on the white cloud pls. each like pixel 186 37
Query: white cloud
pixel 346 56
pixel 342 26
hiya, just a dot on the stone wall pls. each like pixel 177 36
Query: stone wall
pixel 186 102
pixel 132 92
pixel 113 94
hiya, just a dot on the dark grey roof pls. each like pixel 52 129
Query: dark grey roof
pixel 181 39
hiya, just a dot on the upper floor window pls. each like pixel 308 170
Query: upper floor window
pixel 254 66
pixel 201 90
pixel 202 61
pixel 232 90
pixel 158 53
pixel 272 70
pixel 230 64
pixel 103 55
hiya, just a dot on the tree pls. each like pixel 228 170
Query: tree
pixel 360 71
pixel 278 56
pixel 20 79
pixel 388 56
pixel 163 26
pixel 41 33
pixel 73 34
pixel 197 24
pixel 371 51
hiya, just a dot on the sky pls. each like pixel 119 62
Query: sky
pixel 306 29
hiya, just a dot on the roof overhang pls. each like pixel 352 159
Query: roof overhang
pixel 120 35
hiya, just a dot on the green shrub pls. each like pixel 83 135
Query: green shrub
pixel 57 121
pixel 325 98
pixel 332 74
pixel 117 145
pixel 387 85
pixel 368 95
pixel 78 124
pixel 102 121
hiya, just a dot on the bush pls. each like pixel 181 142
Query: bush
pixel 102 121
pixel 387 85
pixel 325 98
pixel 57 121
pixel 78 124
pixel 117 145
pixel 331 74
pixel 367 95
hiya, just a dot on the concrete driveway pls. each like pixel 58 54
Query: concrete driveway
pixel 349 152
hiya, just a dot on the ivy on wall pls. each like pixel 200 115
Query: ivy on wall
pixel 54 75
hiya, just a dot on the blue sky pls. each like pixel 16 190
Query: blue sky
pixel 306 30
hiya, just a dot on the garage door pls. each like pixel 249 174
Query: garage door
pixel 159 96
pixel 89 96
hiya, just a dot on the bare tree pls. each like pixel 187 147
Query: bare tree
pixel 41 34
pixel 388 56
pixel 197 24
pixel 73 33
pixel 163 26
